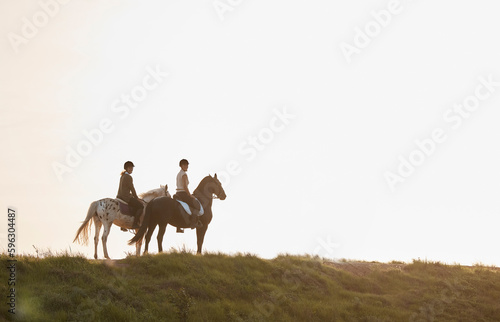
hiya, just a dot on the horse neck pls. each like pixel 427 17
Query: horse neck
pixel 198 192
pixel 201 185
pixel 205 200
pixel 150 195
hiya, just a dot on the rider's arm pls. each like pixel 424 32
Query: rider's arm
pixel 185 181
pixel 132 189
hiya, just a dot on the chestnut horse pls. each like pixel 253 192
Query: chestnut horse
pixel 165 210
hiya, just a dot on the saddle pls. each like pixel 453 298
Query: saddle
pixel 187 209
pixel 124 207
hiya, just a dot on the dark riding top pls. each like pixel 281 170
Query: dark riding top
pixel 126 190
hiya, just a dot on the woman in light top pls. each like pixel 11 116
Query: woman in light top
pixel 183 194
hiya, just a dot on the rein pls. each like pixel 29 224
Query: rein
pixel 207 199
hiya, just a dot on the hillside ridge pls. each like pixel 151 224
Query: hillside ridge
pixel 179 286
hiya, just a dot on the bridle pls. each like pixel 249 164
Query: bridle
pixel 208 196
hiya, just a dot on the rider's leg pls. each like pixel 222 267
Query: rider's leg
pixel 183 196
pixel 178 196
pixel 136 211
pixel 194 212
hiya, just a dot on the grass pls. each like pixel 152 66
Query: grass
pixel 179 286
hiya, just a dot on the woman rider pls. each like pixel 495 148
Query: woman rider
pixel 126 192
pixel 183 194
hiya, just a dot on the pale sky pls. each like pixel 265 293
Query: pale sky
pixel 349 129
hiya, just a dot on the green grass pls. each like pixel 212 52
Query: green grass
pixel 179 286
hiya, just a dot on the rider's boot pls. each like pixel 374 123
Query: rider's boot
pixel 123 228
pixel 137 218
pixel 194 219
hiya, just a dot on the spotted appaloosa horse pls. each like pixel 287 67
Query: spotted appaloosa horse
pixel 165 210
pixel 107 212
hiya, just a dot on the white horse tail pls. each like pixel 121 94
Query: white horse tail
pixel 85 227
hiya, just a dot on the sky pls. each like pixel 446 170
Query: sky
pixel 363 130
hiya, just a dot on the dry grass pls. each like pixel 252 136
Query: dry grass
pixel 179 286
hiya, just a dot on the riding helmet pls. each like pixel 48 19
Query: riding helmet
pixel 128 164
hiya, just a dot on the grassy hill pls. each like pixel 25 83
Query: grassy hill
pixel 180 286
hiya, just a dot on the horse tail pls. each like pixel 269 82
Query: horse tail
pixel 144 227
pixel 86 224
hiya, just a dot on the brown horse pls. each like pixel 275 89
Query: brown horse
pixel 165 210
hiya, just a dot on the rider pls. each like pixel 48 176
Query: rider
pixel 126 192
pixel 182 192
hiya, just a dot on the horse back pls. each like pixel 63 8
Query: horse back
pixel 167 210
pixel 108 204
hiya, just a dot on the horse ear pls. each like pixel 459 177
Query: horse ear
pixel 210 175
pixel 215 177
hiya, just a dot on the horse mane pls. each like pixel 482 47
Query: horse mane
pixel 152 193
pixel 203 182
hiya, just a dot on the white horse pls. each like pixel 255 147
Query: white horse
pixel 107 212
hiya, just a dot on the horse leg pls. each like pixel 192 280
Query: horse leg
pixel 148 238
pixel 161 232
pixel 105 233
pixel 200 234
pixel 97 224
pixel 138 245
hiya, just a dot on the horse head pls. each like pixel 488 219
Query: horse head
pixel 151 194
pixel 210 186
pixel 165 191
